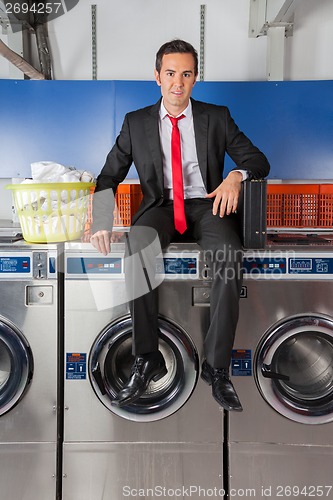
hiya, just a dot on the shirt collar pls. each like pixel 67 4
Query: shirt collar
pixel 187 111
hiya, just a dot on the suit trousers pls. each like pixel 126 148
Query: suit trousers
pixel 220 240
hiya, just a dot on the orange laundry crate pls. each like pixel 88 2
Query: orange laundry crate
pixel 128 199
pixel 326 205
pixel 300 205
pixel 87 228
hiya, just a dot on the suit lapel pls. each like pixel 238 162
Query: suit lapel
pixel 153 135
pixel 200 122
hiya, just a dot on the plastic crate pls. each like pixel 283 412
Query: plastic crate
pixel 288 205
pixel 51 212
pixel 326 205
pixel 299 205
pixel 128 199
pixel 87 228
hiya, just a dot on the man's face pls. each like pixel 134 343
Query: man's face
pixel 176 80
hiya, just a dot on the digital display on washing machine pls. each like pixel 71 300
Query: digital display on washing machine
pixel 94 265
pixel 16 265
pixel 300 264
pixel 177 266
pixel 311 265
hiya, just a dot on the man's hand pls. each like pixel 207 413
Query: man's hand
pixel 227 194
pixel 101 240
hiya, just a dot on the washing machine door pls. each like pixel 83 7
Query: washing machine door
pixel 111 359
pixel 16 365
pixel 294 368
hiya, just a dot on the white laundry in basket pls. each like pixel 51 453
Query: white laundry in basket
pixel 47 172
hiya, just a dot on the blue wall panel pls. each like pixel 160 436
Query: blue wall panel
pixel 76 122
pixel 67 122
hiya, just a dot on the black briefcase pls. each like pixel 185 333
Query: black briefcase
pixel 253 213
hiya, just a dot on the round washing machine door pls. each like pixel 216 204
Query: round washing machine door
pixel 294 368
pixel 16 365
pixel 110 363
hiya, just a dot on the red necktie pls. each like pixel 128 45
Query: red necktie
pixel 177 176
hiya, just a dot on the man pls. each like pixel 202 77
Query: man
pixel 183 192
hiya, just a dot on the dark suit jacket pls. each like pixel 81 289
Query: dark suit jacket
pixel 216 134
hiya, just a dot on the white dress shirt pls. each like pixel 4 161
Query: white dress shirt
pixel 192 179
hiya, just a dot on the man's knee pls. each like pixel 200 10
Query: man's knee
pixel 225 252
pixel 142 239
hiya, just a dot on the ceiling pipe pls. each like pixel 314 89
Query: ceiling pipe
pixel 43 51
pixel 20 63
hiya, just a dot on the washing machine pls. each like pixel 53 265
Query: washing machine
pixel 171 441
pixel 282 443
pixel 29 406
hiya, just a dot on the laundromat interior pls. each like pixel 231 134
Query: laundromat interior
pixel 70 71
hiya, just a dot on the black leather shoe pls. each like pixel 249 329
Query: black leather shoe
pixel 146 367
pixel 222 389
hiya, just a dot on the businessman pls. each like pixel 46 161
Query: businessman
pixel 178 146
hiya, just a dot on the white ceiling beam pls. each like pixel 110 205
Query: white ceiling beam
pixel 275 53
pixel 276 30
pixel 259 24
pixel 286 13
pixel 258 10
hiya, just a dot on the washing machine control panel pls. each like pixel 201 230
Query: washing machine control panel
pixel 12 264
pixel 34 264
pixel 265 265
pixel 288 265
pixel 311 265
pixel 178 265
pixel 173 265
pixel 81 266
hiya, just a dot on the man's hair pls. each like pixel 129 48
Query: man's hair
pixel 176 47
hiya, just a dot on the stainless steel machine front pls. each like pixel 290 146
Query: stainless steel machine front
pixel 171 440
pixel 282 444
pixel 28 371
